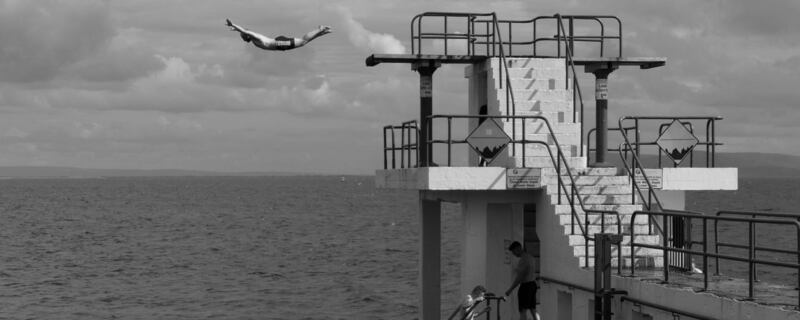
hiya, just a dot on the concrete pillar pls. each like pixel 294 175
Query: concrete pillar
pixel 430 258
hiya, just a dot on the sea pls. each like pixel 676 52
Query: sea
pixel 270 247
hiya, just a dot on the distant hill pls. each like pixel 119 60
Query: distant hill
pixel 70 172
pixel 750 164
pixel 768 165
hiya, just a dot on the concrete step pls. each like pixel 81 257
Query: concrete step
pixel 531 73
pixel 540 95
pixel 546 162
pixel 585 172
pixel 554 117
pixel 538 84
pixel 609 227
pixel 537 63
pixel 594 190
pixel 540 106
pixel 595 198
pixel 563 138
pixel 539 126
pixel 575 240
pixel 539 150
pixel 641 262
pixel 622 209
pixel 588 180
pixel 580 251
pixel 596 219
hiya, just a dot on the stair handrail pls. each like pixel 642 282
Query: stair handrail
pixel 511 109
pixel 571 63
pixel 651 194
pixel 577 94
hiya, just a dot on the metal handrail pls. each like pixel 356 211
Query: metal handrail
pixel 754 214
pixel 591 131
pixel 627 298
pixel 407 128
pixel 710 141
pixel 673 311
pixel 493 39
pixel 571 63
pixel 557 160
pixel 751 259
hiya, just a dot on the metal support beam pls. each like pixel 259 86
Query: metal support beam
pixel 601 72
pixel 603 292
pixel 426 68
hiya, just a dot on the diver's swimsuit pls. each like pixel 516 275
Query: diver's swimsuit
pixel 284 43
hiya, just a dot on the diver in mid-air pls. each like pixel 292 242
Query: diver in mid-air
pixel 280 43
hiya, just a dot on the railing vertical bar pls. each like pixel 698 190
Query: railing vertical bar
pixel 633 242
pixel 705 253
pixel 510 41
pixel 385 151
pixel 449 140
pixel 716 247
pixel 750 263
pixel 445 35
pixel 523 144
pixel 755 252
pixel 665 240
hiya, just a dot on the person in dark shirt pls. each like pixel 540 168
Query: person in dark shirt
pixel 525 278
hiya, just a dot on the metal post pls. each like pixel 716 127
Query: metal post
pixel 426 69
pixel 601 72
pixel 603 292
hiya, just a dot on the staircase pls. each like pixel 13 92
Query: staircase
pixel 539 87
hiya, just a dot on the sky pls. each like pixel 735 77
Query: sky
pixel 161 84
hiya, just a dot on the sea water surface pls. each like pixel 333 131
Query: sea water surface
pixel 300 247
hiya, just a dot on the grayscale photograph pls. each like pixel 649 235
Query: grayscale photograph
pixel 400 160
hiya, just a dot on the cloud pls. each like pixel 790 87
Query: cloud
pixel 39 38
pixel 364 39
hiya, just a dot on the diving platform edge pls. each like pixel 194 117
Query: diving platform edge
pixel 641 62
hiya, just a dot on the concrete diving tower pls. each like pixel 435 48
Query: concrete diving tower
pixel 524 172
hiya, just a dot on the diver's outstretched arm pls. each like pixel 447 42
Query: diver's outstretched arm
pixel 313 34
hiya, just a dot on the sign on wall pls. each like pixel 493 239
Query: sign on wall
pixel 524 178
pixel 653 175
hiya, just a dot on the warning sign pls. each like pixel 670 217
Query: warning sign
pixel 677 141
pixel 488 140
pixel 524 178
pixel 653 175
pixel 601 89
pixel 425 87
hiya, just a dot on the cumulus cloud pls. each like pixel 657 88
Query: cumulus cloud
pixel 365 39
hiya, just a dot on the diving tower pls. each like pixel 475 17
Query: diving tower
pixel 602 220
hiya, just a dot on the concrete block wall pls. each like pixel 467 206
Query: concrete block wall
pixel 539 89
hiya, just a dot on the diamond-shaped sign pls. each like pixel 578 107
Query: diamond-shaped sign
pixel 676 141
pixel 488 139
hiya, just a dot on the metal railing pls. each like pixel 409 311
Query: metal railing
pixel 482 34
pixel 689 122
pixel 756 249
pixel 628 299
pixel 559 162
pixel 705 253
pixel 483 31
pixel 409 137
pixel 588 140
